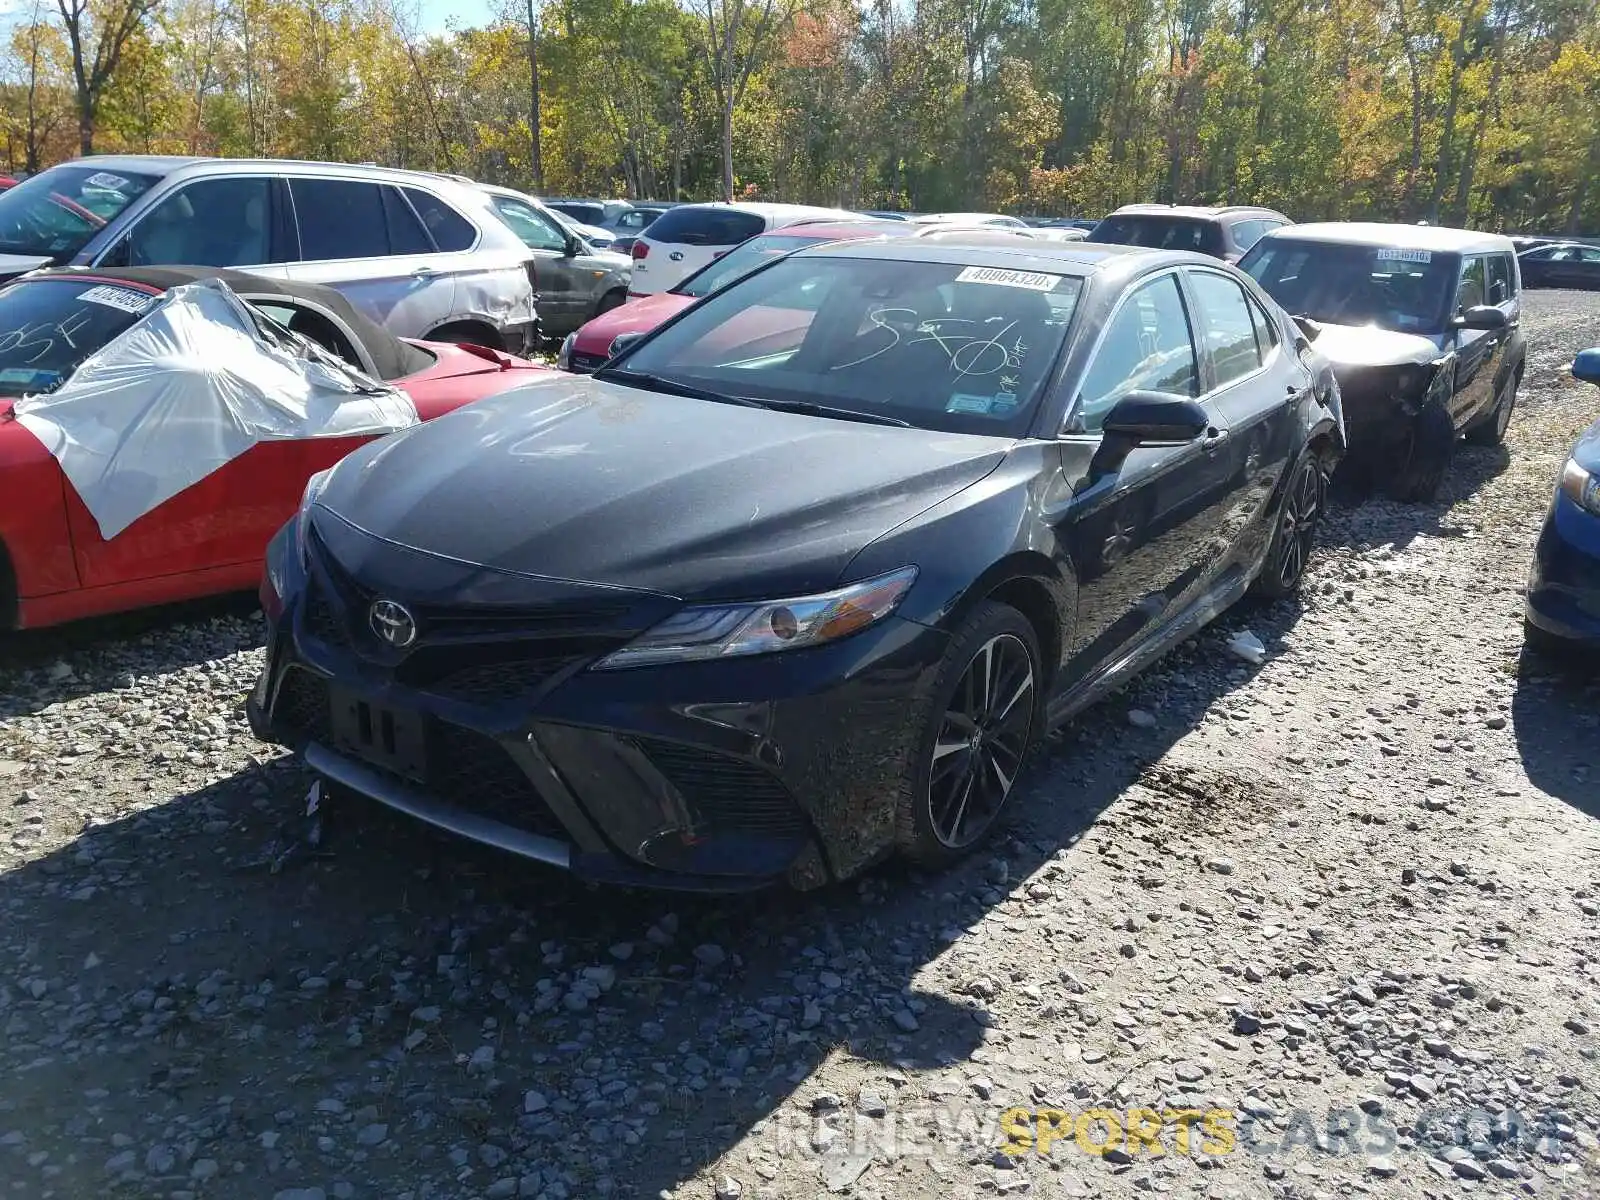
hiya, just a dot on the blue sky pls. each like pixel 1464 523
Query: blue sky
pixel 437 15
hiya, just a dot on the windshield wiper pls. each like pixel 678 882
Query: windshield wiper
pixel 659 383
pixel 812 409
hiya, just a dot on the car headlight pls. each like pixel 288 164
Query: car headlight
pixel 725 630
pixel 1582 486
pixel 564 355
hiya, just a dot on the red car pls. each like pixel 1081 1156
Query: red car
pixel 590 346
pixel 56 563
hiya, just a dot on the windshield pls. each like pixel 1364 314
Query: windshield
pixel 1403 290
pixel 1164 233
pixel 49 326
pixel 739 262
pixel 938 345
pixel 54 214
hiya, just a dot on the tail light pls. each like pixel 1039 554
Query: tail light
pixel 640 251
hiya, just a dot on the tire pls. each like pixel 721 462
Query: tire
pixel 1491 431
pixel 612 299
pixel 936 819
pixel 1425 458
pixel 1544 644
pixel 1295 529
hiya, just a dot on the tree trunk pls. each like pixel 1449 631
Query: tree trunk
pixel 727 149
pixel 85 125
pixel 535 140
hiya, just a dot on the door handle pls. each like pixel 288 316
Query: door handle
pixel 1215 439
pixel 423 273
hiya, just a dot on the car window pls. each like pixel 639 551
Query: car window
pixel 1248 233
pixel 1474 286
pixel 1499 278
pixel 339 218
pixel 537 231
pixel 706 226
pixel 1589 254
pixel 208 223
pixel 1147 347
pixel 54 213
pixel 1393 287
pixel 1160 232
pixel 943 346
pixel 449 229
pixel 1266 329
pixel 1226 326
pixel 406 232
pixel 314 326
pixel 49 326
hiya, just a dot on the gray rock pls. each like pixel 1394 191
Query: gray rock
pixel 906 1020
pixel 1222 866
pixel 534 1102
pixel 727 1188
pixel 372 1135
pixel 1381 1165
pixel 710 955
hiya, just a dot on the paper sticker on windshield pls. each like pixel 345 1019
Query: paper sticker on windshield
pixel 29 379
pixel 105 179
pixel 965 402
pixel 1034 281
pixel 1390 254
pixel 126 299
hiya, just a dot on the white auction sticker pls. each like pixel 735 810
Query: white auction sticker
pixel 105 179
pixel 1390 254
pixel 126 299
pixel 1036 281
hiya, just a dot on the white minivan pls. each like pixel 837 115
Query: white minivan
pixel 683 239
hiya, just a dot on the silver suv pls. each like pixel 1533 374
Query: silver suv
pixel 575 280
pixel 424 256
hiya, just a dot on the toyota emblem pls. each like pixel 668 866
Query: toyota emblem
pixel 676 256
pixel 393 623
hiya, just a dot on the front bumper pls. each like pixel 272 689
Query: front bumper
pixel 715 776
pixel 1564 585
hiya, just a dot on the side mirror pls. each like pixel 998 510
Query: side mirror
pixel 1587 366
pixel 1144 418
pixel 1482 316
pixel 622 341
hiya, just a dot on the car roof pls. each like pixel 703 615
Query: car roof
pixel 1201 211
pixel 859 228
pixel 933 218
pixel 1069 258
pixel 762 208
pixel 1378 233
pixel 392 357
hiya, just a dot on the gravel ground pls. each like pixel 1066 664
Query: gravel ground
pixel 1339 906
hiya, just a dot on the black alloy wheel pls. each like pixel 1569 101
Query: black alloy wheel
pixel 979 725
pixel 1296 530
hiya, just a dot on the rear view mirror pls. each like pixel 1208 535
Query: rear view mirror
pixel 1482 316
pixel 1587 366
pixel 1143 418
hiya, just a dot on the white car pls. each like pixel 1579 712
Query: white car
pixel 683 239
pixel 969 219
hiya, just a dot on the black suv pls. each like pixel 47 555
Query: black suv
pixel 1224 233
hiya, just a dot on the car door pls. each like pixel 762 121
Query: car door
pixel 1139 538
pixel 368 240
pixel 1477 350
pixel 1255 389
pixel 1582 270
pixel 562 302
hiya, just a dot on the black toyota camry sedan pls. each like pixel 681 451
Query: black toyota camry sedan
pixel 795 582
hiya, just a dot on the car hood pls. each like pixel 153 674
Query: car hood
pixel 1369 346
pixel 636 316
pixel 578 479
pixel 12 265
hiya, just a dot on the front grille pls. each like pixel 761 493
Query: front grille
pixel 467 769
pixel 723 794
pixel 492 682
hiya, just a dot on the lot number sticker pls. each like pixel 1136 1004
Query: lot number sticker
pixel 1035 281
pixel 126 299
pixel 1389 254
pixel 104 179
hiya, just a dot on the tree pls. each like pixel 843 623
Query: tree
pixel 97 33
pixel 739 34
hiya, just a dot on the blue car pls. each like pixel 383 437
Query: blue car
pixel 1564 587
